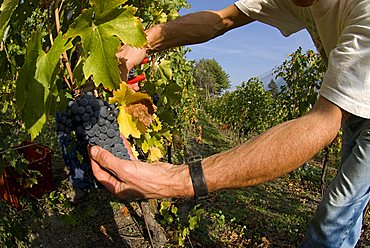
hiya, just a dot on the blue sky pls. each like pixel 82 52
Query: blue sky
pixel 248 51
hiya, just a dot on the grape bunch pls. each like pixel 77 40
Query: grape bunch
pixel 94 122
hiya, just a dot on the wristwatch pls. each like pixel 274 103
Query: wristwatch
pixel 198 180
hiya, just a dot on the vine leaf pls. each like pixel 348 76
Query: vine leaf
pixel 6 10
pixel 129 125
pixel 102 29
pixel 142 111
pixel 136 111
pixel 36 82
pixel 153 146
pixel 165 69
pixel 154 154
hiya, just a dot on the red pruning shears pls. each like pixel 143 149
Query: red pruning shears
pixel 138 78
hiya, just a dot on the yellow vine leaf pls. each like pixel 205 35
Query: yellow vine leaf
pixel 126 96
pixel 156 124
pixel 129 125
pixel 136 111
pixel 134 151
pixel 154 154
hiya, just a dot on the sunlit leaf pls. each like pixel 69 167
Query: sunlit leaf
pixel 154 154
pixel 126 96
pixel 36 81
pixel 136 110
pixel 129 125
pixel 102 30
pixel 156 124
pixel 165 69
pixel 145 146
pixel 6 10
pixel 103 8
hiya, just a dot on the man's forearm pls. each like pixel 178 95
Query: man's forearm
pixel 194 28
pixel 274 153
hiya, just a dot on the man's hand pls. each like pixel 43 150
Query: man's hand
pixel 129 57
pixel 134 179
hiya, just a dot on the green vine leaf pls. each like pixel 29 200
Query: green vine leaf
pixel 6 10
pixel 165 69
pixel 104 8
pixel 102 29
pixel 36 79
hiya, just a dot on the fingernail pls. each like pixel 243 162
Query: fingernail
pixel 94 151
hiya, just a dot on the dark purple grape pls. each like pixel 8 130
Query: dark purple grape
pixel 85 117
pixel 84 102
pixel 101 122
pixel 111 133
pixel 81 110
pixel 111 117
pixel 87 125
pixel 103 136
pixel 104 112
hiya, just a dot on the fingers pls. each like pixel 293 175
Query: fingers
pixel 104 177
pixel 106 169
pixel 105 159
pixel 111 172
pixel 134 87
pixel 129 57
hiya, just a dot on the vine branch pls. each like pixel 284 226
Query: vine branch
pixel 65 59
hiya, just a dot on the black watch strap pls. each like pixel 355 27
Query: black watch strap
pixel 198 180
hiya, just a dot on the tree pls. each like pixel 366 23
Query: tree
pixel 210 77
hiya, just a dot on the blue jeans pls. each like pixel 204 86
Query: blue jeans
pixel 338 219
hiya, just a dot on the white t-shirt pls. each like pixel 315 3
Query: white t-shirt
pixel 340 30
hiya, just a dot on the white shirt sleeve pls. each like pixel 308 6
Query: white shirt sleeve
pixel 347 80
pixel 277 13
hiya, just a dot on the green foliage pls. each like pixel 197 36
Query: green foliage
pixel 12 228
pixel 6 11
pixel 14 232
pixel 177 108
pixel 57 202
pixel 218 218
pixel 38 42
pixel 158 11
pixel 35 52
pixel 247 110
pixel 12 132
pixel 102 27
pixel 36 85
pixel 169 216
pixel 90 35
pixel 31 49
pixel 302 74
